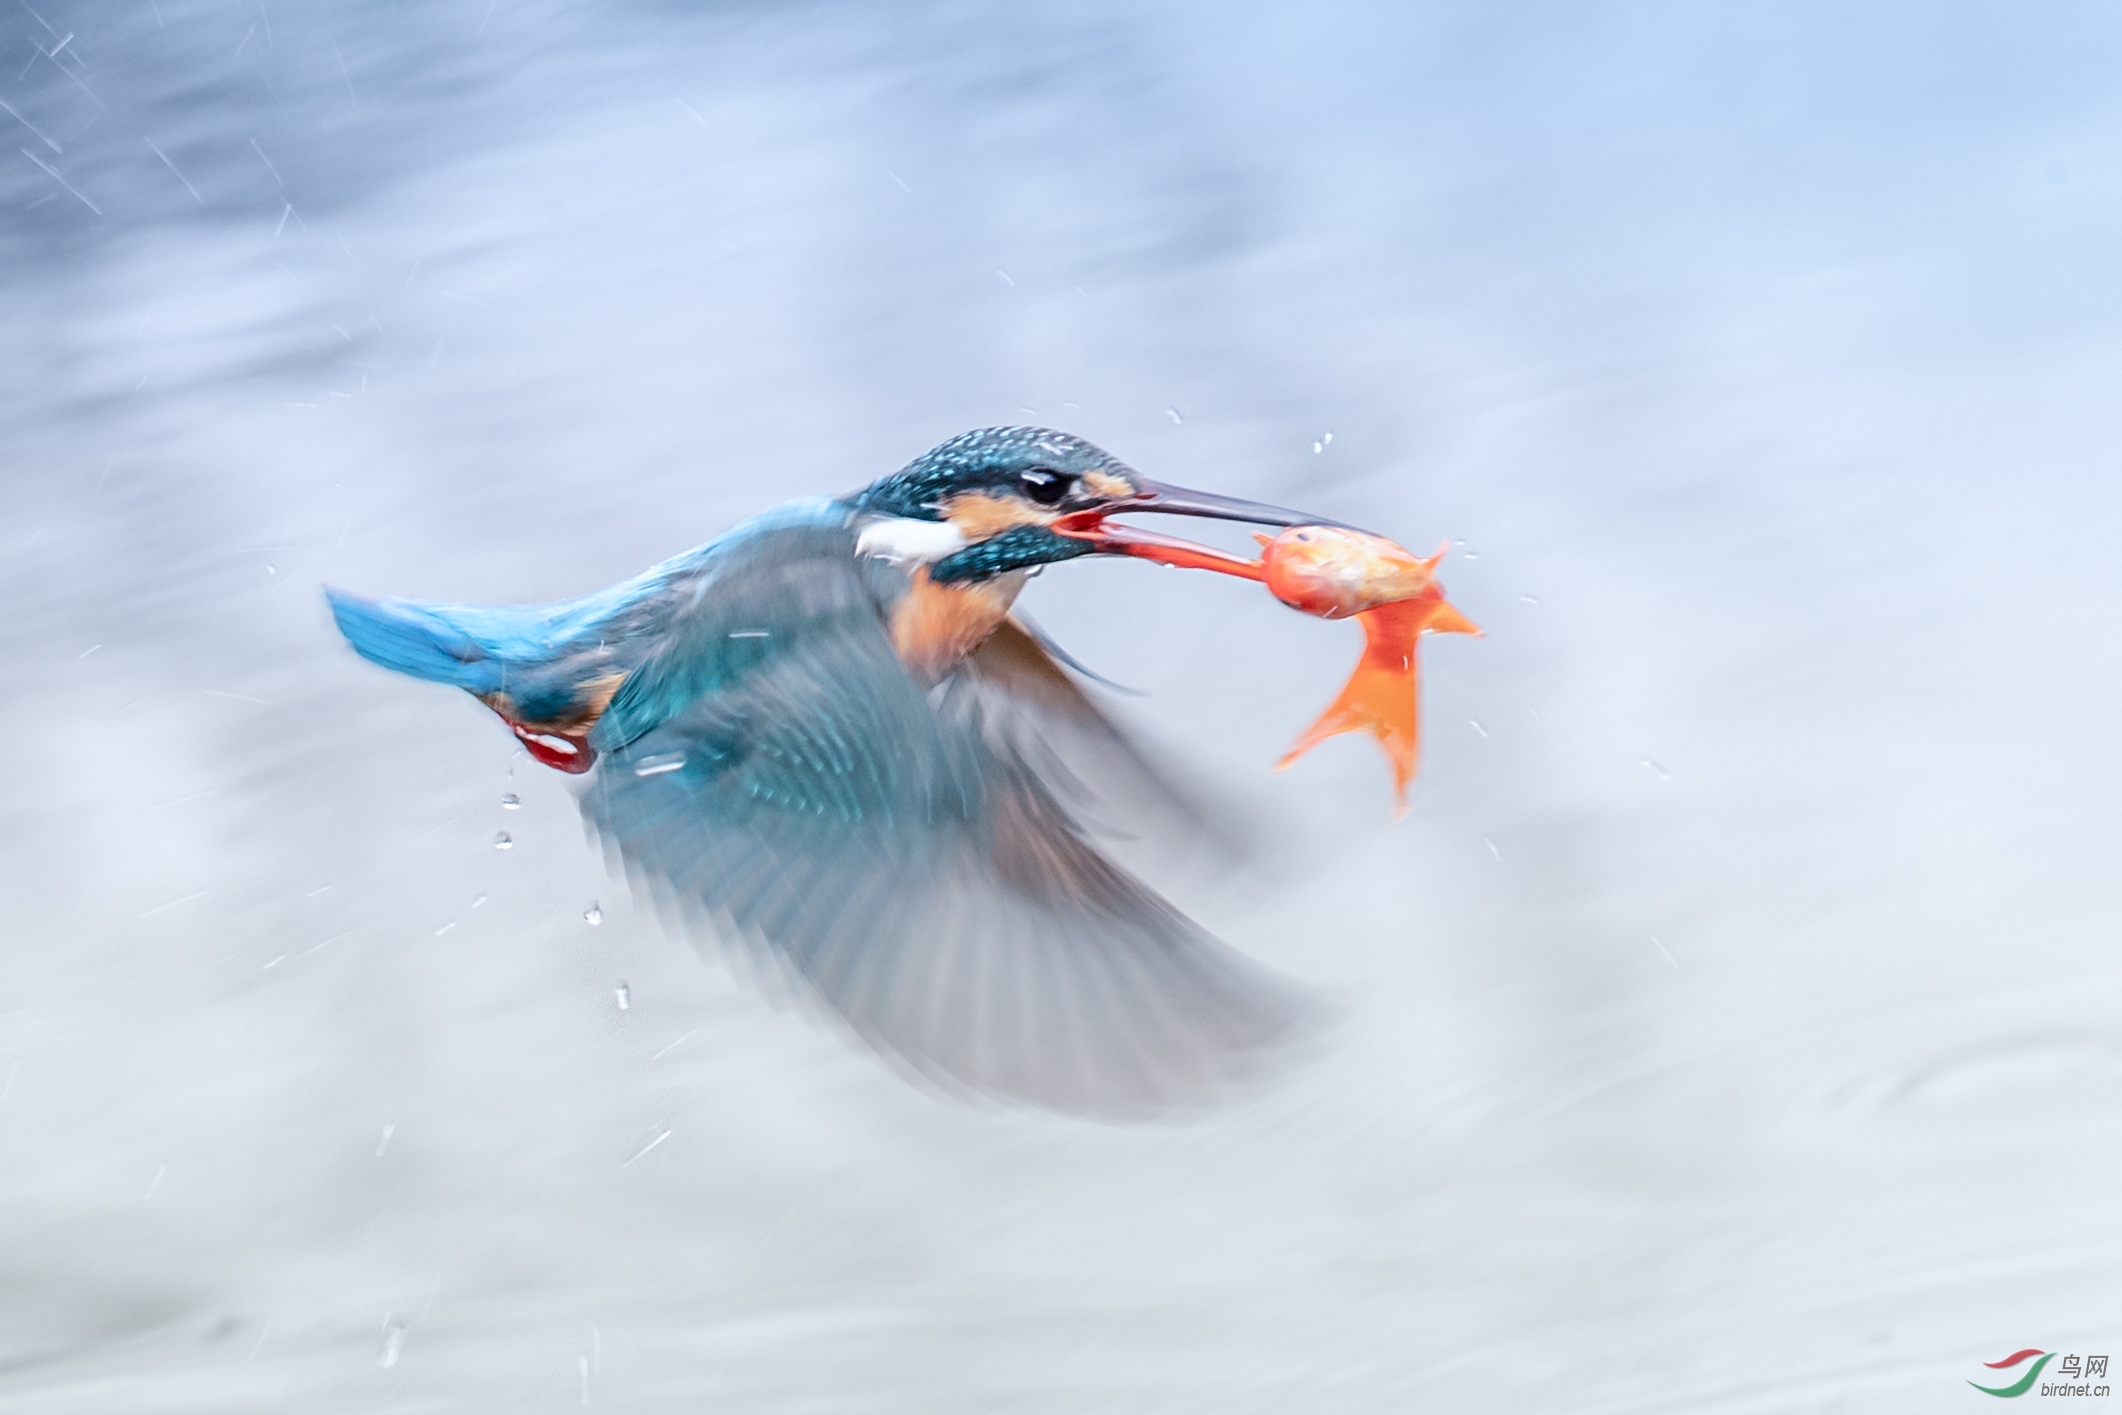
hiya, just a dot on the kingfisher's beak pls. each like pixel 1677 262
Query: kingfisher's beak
pixel 1184 501
pixel 1117 538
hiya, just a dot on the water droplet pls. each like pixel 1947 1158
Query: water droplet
pixel 510 801
pixel 445 928
pixel 625 998
pixel 1663 774
pixel 661 1135
pixel 1492 849
pixel 1318 447
pixel 393 1343
pixel 478 899
pixel 272 569
pixel 1530 598
pixel 388 1131
pixel 1476 725
pixel 672 1044
pixel 659 763
pixel 1173 414
pixel 502 840
pixel 593 915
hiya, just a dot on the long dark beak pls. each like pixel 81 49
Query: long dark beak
pixel 1121 539
pixel 1184 501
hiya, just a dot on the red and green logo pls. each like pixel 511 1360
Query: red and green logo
pixel 2025 1383
pixel 2076 1374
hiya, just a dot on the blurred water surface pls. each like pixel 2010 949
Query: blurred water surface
pixel 1732 1027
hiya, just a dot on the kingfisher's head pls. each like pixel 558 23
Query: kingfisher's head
pixel 1007 498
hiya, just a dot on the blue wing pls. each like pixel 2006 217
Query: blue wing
pixel 905 857
pixel 544 657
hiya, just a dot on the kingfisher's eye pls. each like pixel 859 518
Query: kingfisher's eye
pixel 1046 486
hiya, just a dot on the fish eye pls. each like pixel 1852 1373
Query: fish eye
pixel 1046 486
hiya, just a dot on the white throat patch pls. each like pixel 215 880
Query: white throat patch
pixel 903 540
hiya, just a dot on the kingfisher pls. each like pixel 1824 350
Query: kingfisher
pixel 825 739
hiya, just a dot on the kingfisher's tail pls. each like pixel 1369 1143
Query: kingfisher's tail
pixel 543 668
pixel 419 639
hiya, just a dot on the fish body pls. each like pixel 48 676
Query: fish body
pixel 1338 573
pixel 1335 572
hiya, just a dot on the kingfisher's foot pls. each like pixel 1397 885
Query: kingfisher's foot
pixel 573 755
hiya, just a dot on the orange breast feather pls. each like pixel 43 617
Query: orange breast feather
pixel 936 626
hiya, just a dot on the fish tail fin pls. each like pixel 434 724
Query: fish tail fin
pixel 409 637
pixel 1379 697
pixel 1448 620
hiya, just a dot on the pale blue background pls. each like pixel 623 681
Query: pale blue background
pixel 1772 353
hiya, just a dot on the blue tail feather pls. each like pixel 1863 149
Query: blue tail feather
pixel 410 637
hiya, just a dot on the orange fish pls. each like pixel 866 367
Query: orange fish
pixel 1334 572
pixel 1337 573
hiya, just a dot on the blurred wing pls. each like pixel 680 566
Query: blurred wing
pixel 1092 765
pixel 889 851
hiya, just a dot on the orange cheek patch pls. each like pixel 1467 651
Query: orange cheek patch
pixel 981 516
pixel 1106 484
